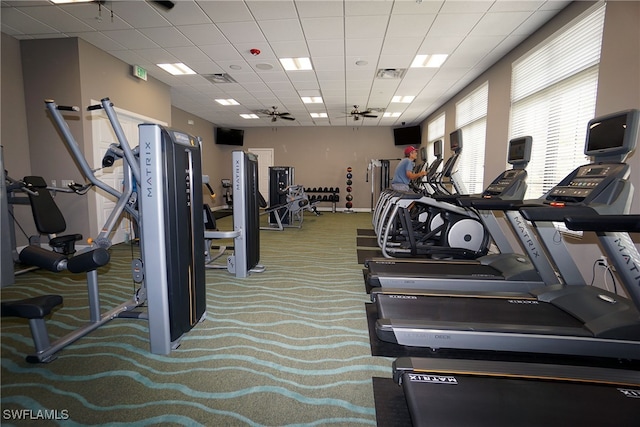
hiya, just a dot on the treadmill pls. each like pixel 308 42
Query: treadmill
pixel 504 393
pixel 451 393
pixel 557 319
pixel 507 271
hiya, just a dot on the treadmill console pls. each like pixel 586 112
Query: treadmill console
pixel 504 183
pixel 586 182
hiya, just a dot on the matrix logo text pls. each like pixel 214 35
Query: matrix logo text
pixel 30 414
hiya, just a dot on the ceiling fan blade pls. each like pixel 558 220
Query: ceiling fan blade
pixel 167 5
pixel 369 115
pixel 283 114
pixel 287 118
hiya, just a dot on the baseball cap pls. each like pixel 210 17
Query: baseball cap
pixel 409 149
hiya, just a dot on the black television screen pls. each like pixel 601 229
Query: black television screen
pixel 455 140
pixel 519 150
pixel 410 135
pixel 227 136
pixel 437 148
pixel 613 134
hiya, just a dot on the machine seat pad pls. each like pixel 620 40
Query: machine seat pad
pixel 31 308
pixel 62 240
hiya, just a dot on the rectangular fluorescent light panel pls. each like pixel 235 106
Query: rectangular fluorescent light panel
pixel 311 99
pixel 249 116
pixel 176 69
pixel 396 114
pixel 429 61
pixel 229 101
pixel 319 115
pixel 403 99
pixel 296 64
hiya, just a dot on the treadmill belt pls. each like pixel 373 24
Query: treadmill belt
pixel 476 311
pixel 367 242
pixel 391 407
pixel 365 254
pixel 459 400
pixel 366 232
pixel 440 269
pixel 386 349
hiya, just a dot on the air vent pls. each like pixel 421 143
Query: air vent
pixel 391 73
pixel 219 78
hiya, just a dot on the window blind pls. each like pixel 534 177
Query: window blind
pixel 471 117
pixel 435 131
pixel 553 96
pixel 435 128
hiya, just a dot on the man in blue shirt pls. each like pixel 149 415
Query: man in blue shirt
pixel 404 171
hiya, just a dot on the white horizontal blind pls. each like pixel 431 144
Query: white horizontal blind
pixel 435 131
pixel 435 128
pixel 471 117
pixel 553 96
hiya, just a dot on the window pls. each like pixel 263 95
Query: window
pixel 471 117
pixel 553 97
pixel 435 128
pixel 435 131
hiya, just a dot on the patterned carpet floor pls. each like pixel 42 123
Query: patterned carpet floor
pixel 285 347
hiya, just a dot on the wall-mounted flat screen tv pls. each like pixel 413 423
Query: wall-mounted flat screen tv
pixel 228 136
pixel 409 135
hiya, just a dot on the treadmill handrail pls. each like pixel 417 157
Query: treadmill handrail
pixel 554 213
pixel 597 222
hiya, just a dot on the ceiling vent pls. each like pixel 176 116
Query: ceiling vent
pixel 391 73
pixel 219 78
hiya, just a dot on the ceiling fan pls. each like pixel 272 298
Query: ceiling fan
pixel 166 5
pixel 275 114
pixel 357 114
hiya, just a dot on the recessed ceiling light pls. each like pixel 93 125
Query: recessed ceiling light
pixel 429 61
pixel 176 69
pixel 361 62
pixel 264 66
pixel 387 114
pixel 229 101
pixel 235 67
pixel 311 99
pixel 403 99
pixel 296 64
pixel 249 116
pixel 319 115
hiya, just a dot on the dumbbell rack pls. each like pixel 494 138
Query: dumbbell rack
pixel 324 194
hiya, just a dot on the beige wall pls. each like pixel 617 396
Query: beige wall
pixel 321 155
pixel 619 78
pixel 14 136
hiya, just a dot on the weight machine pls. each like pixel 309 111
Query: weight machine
pixel 246 222
pixel 166 206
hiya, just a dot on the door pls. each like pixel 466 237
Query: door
pixel 103 136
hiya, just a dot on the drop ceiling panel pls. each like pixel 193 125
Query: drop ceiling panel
pixel 347 41
pixel 131 39
pixel 324 28
pixel 203 34
pixel 166 36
